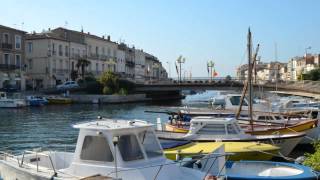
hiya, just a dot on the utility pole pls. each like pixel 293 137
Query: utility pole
pixel 210 66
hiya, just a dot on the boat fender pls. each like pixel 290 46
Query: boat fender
pixel 54 175
pixel 300 160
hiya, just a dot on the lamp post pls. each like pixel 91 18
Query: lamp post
pixel 180 61
pixel 210 66
pixel 169 68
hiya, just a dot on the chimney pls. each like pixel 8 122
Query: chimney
pixel 81 30
pixel 109 38
pixel 88 33
pixel 49 29
pixel 102 37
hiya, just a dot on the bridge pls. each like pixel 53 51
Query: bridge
pixel 302 88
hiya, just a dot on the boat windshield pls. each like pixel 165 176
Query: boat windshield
pixel 129 147
pixel 235 101
pixel 96 148
pixel 150 144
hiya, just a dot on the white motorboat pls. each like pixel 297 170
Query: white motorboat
pixel 209 129
pixel 6 102
pixel 108 149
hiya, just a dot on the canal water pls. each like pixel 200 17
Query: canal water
pixel 50 127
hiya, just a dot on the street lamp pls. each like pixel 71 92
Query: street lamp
pixel 169 68
pixel 210 66
pixel 180 61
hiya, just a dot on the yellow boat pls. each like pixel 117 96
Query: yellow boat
pixel 174 128
pixel 59 100
pixel 241 150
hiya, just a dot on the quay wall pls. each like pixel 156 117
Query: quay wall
pixel 105 99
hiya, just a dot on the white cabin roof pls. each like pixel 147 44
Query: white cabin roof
pixel 112 124
pixel 213 120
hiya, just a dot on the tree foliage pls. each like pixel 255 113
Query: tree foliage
pixel 110 82
pixel 82 64
pixel 313 75
pixel 313 160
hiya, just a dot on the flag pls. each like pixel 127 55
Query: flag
pixel 215 73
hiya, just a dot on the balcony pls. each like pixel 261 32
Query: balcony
pixel 94 56
pixel 9 67
pixel 130 63
pixel 6 46
pixel 60 71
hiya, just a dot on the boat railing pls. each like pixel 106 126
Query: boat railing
pixel 214 156
pixel 37 159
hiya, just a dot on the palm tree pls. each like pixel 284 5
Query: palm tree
pixel 82 63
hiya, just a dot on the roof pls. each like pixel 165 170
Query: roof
pixel 86 34
pixel 213 120
pixel 12 29
pixel 44 35
pixel 113 124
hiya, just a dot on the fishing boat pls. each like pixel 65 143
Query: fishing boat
pixel 248 170
pixel 36 101
pixel 106 149
pixel 265 170
pixel 6 102
pixel 209 129
pixel 239 150
pixel 59 100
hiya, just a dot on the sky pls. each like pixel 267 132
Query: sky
pixel 199 30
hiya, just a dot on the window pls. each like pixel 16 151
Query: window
pixel 30 47
pixel 30 63
pixel 53 49
pixel 103 51
pixel 109 52
pixel 6 59
pixel 97 67
pixel 230 129
pixel 89 49
pixel 72 51
pixel 102 67
pixel 6 38
pixel 66 51
pixel 129 148
pixel 235 101
pixel 18 60
pixel 216 129
pixel 54 64
pixel 114 53
pixel 149 142
pixel 18 42
pixel 97 50
pixel 96 148
pixel 60 64
pixel 60 50
pixel 67 65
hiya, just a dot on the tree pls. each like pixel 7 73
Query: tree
pixel 82 63
pixel 313 75
pixel 74 75
pixel 110 82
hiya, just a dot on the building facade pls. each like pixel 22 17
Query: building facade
pixel 12 57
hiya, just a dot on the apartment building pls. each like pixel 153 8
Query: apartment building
pixel 48 59
pixel 121 62
pixel 12 54
pixel 139 69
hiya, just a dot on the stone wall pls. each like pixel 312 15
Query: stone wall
pixel 105 99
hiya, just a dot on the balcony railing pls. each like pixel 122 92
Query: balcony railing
pixel 9 67
pixel 60 71
pixel 6 46
pixel 130 63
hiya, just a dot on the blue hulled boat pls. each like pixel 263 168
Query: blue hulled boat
pixel 36 101
pixel 265 170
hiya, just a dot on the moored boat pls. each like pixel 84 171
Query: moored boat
pixel 106 149
pixel 36 101
pixel 239 150
pixel 6 102
pixel 208 129
pixel 59 100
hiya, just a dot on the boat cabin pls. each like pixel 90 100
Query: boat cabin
pixel 215 128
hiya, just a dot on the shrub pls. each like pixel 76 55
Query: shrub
pixel 123 91
pixel 107 90
pixel 313 160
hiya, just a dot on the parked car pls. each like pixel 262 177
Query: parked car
pixel 68 85
pixel 10 88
